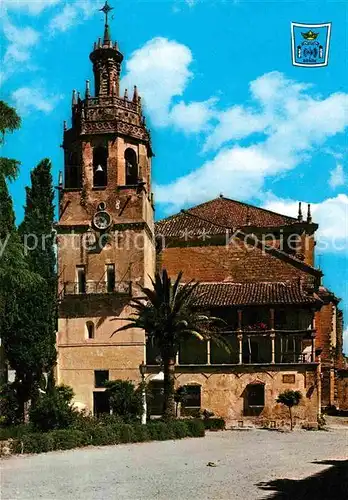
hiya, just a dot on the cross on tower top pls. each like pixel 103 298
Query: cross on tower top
pixel 106 9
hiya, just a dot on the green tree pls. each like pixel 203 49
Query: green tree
pixel 54 410
pixel 125 399
pixel 22 292
pixel 290 399
pixel 36 232
pixel 9 122
pixel 168 315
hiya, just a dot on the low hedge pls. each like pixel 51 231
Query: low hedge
pixel 66 439
pixel 214 424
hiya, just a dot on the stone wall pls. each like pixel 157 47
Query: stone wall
pixel 78 356
pixel 223 392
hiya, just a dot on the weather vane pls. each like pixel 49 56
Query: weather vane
pixel 106 9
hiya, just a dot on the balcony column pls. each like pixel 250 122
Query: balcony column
pixel 313 348
pixel 208 352
pixel 313 326
pixel 272 335
pixel 240 348
pixel 271 318
pixel 240 320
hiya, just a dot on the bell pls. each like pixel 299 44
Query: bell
pixel 99 168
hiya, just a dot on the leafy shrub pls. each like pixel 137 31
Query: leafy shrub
pixel 97 434
pixel 15 431
pixel 195 427
pixel 160 431
pixel 127 433
pixel 141 432
pixel 214 424
pixel 66 439
pixel 9 407
pixel 125 400
pixel 104 435
pixel 53 410
pixel 37 443
pixel 180 429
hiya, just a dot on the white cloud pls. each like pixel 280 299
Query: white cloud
pixel 64 19
pixel 17 55
pixel 71 15
pixel 161 70
pixel 31 6
pixel 31 98
pixel 193 117
pixel 345 341
pixel 337 176
pixel 291 123
pixel 331 215
pixel 21 41
pixel 235 123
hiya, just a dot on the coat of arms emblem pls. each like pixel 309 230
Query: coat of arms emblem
pixel 310 44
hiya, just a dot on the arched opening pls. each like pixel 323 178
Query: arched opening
pixel 130 157
pixel 191 404
pixel 100 166
pixel 254 398
pixel 90 330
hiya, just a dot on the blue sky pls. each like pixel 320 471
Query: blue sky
pixel 227 110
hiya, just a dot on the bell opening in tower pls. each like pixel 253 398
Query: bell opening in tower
pixel 131 166
pixel 100 167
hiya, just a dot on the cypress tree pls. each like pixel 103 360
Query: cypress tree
pixel 36 232
pixel 27 327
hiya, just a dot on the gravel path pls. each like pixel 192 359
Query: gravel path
pixel 173 469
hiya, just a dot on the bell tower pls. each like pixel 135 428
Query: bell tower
pixel 105 231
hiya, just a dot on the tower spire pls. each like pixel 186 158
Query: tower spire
pixel 106 9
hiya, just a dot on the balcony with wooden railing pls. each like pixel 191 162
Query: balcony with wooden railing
pixel 96 287
pixel 267 347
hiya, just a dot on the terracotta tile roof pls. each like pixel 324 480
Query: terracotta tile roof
pixel 223 212
pixel 259 293
pixel 326 295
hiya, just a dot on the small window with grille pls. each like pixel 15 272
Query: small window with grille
pixel 192 401
pixel 110 278
pixel 100 377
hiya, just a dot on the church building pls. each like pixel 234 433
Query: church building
pixel 284 326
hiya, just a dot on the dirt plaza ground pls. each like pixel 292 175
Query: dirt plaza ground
pixel 246 465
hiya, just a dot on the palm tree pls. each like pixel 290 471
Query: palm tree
pixel 168 315
pixel 9 122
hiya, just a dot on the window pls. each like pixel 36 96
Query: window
pixel 100 377
pixel 131 166
pixel 81 279
pixel 100 162
pixel 90 330
pixel 289 378
pixel 156 398
pixel 110 278
pixel 256 395
pixel 192 403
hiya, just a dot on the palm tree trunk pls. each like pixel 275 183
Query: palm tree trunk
pixel 168 383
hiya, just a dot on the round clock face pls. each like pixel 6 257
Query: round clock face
pixel 102 220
